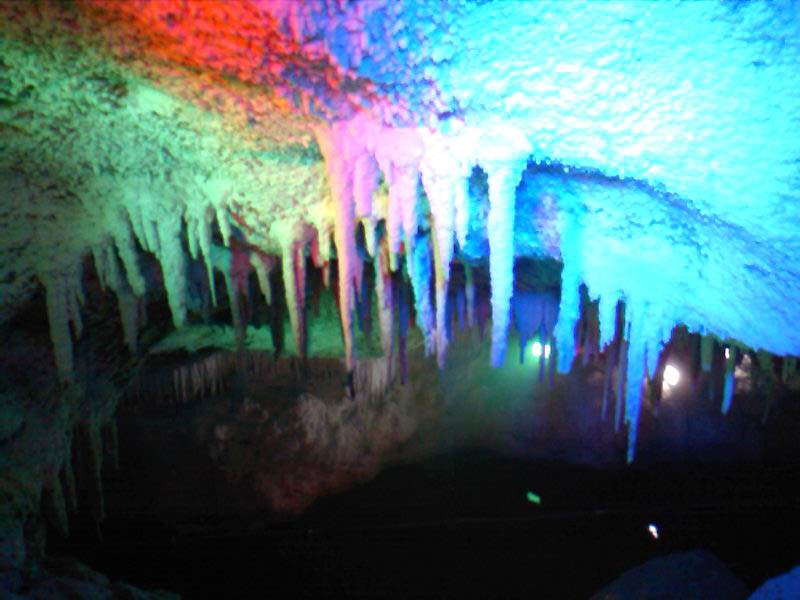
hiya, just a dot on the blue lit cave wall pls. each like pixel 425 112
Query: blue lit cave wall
pixel 374 198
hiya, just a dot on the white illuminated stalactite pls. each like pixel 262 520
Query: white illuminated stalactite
pixel 730 363
pixel 571 280
pixel 173 266
pixel 385 296
pixel 635 378
pixel 503 181
pixel 405 181
pixel 440 192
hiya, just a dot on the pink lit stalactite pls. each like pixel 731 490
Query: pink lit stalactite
pixel 333 145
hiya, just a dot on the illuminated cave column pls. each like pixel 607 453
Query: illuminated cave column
pixel 503 180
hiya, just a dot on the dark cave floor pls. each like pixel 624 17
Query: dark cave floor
pixel 449 515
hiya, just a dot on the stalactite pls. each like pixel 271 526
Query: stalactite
pixel 365 181
pixel 173 266
pixel 293 263
pixel 385 295
pixel 441 195
pixel 204 239
pixel 224 225
pixel 58 318
pixel 402 215
pixel 123 239
pixel 611 351
pixel 730 363
pixel 263 265
pixel 622 368
pixel 402 328
pixel 340 180
pixel 503 181
pixel 607 308
pixel 635 367
pixel 420 276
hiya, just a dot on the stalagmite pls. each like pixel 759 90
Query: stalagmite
pixel 503 181
pixel 730 363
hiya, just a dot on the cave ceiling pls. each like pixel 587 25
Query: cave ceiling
pixel 651 147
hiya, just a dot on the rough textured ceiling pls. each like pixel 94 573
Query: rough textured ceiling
pixel 656 147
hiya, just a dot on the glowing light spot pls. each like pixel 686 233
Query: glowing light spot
pixel 671 375
pixel 727 353
pixel 533 498
pixel 653 531
pixel 538 349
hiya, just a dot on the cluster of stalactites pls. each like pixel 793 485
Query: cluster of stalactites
pixel 359 151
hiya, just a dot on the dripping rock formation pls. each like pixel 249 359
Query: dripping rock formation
pixel 290 243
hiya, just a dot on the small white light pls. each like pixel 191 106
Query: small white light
pixel 671 375
pixel 727 353
pixel 537 349
pixel 547 350
pixel 653 531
